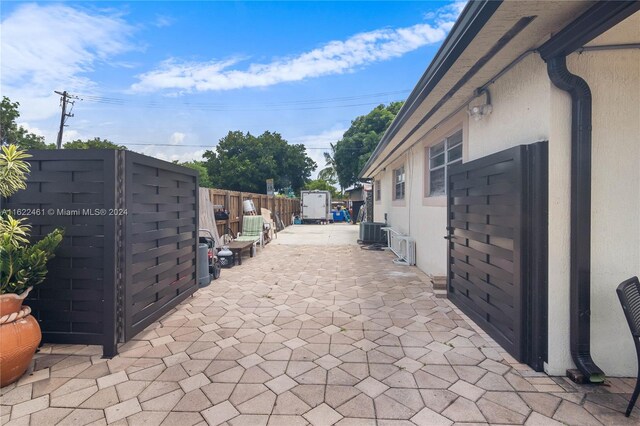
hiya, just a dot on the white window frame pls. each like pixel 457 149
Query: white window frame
pixel 449 144
pixel 378 190
pixel 397 182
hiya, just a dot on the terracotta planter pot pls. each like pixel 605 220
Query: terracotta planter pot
pixel 19 337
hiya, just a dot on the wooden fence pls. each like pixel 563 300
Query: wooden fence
pixel 232 201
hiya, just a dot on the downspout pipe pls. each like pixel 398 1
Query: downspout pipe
pixel 580 251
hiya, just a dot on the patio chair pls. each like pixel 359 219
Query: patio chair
pixel 269 227
pixel 252 230
pixel 629 295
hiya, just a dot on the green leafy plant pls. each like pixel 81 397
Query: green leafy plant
pixel 14 232
pixel 22 265
pixel 25 266
pixel 13 170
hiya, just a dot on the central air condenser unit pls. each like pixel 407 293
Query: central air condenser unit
pixel 371 233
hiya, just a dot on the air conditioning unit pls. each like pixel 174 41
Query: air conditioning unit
pixel 403 246
pixel 405 250
pixel 371 232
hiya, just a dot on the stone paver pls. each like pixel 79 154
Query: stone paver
pixel 281 384
pixel 220 413
pixel 31 406
pixel 304 334
pixel 112 379
pixel 122 410
pixel 372 387
pixel 323 415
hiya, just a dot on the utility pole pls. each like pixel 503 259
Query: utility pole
pixel 64 100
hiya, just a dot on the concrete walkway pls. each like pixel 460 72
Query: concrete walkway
pixel 334 234
pixel 307 334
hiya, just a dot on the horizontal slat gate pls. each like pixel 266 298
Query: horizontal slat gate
pixel 161 239
pixel 495 208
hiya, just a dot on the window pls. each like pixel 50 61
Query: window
pixel 441 156
pixel 398 183
pixel 376 185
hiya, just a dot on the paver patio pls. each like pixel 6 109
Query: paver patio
pixel 307 334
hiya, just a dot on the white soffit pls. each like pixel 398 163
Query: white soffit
pixel 551 17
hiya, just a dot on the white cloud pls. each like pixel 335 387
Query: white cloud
pixel 321 140
pixel 180 149
pixel 54 47
pixel 449 12
pixel 31 129
pixel 70 135
pixel 161 152
pixel 334 57
pixel 177 138
pixel 162 21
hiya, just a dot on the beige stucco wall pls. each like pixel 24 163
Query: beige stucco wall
pixel 559 231
pixel 424 218
pixel 528 108
pixel 520 115
pixel 614 78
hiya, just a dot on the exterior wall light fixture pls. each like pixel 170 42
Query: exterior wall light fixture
pixel 478 112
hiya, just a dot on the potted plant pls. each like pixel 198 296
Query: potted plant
pixel 22 266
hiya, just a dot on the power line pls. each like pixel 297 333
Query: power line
pixel 229 109
pixel 294 102
pixel 212 147
pixel 303 104
pixel 207 146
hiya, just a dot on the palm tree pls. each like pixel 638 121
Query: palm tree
pixel 329 173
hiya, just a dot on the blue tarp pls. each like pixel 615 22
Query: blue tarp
pixel 339 216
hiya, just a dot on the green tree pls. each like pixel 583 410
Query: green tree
pixel 95 143
pixel 329 172
pixel 243 162
pixel 201 168
pixel 12 133
pixel 322 185
pixel 358 143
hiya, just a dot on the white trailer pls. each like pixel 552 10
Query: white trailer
pixel 316 206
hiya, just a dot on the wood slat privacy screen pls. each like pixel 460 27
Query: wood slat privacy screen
pixel 129 251
pixel 497 210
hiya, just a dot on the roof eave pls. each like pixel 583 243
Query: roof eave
pixel 472 19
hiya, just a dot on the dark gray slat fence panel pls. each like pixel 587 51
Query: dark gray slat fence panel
pixel 79 179
pixel 498 268
pixel 141 188
pixel 483 209
pixel 158 256
pixel 142 226
pixel 161 231
pixel 469 253
pixel 536 274
pixel 152 217
pixel 75 303
pixel 493 180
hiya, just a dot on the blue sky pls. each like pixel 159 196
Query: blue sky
pixel 183 74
